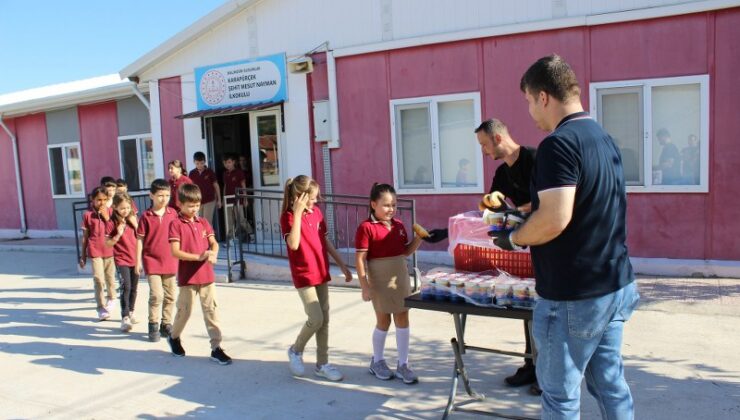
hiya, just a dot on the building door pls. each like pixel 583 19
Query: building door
pixel 228 135
pixel 267 172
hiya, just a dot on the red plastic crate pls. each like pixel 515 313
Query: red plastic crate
pixel 475 259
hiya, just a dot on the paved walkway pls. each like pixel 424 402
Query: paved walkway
pixel 680 355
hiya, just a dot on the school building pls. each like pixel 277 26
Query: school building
pixel 356 92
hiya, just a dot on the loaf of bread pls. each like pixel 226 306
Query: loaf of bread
pixel 420 231
pixel 493 200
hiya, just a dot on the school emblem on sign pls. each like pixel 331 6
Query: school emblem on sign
pixel 213 87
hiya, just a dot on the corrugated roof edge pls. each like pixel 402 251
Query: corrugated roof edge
pixel 65 95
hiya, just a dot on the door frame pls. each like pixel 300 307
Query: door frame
pixel 254 145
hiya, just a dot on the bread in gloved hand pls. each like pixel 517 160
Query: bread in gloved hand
pixel 420 231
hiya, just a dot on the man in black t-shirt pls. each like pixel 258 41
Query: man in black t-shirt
pixel 512 178
pixel 577 231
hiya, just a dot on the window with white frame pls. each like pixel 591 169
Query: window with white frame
pixel 434 145
pixel 137 161
pixel 65 166
pixel 662 129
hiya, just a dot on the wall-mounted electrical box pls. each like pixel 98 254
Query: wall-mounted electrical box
pixel 321 121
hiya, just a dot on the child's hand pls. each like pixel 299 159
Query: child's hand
pixel 120 228
pixel 212 258
pixel 83 260
pixel 367 294
pixel 139 269
pixel 300 204
pixel 204 256
pixel 347 275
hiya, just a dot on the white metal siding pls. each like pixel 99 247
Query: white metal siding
pixel 297 26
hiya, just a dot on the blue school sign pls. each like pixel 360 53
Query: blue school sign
pixel 248 82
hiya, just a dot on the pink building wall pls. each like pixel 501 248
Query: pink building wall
pixel 35 175
pixel 694 226
pixel 721 238
pixel 318 90
pixel 99 142
pixel 10 217
pixel 173 131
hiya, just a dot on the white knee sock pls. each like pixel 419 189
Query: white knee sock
pixel 402 343
pixel 379 344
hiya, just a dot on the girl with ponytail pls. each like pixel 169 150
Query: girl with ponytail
pixel 305 231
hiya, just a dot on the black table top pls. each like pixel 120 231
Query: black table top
pixel 415 301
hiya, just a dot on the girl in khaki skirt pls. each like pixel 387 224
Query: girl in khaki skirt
pixel 382 247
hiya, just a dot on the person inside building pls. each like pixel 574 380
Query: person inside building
pixel 512 178
pixel 670 160
pixel 690 162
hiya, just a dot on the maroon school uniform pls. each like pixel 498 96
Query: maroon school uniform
pixel 233 180
pixel 154 231
pixel 204 180
pixel 193 237
pixel 174 185
pixel 309 264
pixel 374 237
pixel 96 226
pixel 124 251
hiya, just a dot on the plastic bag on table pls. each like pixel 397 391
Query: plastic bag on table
pixel 468 228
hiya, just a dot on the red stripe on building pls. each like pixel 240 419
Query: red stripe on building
pixel 10 217
pixel 99 142
pixel 173 132
pixel 35 176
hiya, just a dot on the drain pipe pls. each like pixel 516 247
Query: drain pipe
pixel 18 186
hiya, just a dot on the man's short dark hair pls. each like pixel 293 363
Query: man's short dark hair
pixel 229 156
pixel 159 184
pixel 189 193
pixel 120 182
pixel 553 76
pixel 106 179
pixel 491 127
pixel 199 156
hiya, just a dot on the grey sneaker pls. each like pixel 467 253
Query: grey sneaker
pixel 407 375
pixel 380 369
pixel 296 362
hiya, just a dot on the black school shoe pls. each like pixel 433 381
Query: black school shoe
pixel 176 346
pixel 153 332
pixel 218 356
pixel 165 330
pixel 525 375
pixel 535 389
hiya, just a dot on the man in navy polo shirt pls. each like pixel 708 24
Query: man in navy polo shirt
pixel 577 232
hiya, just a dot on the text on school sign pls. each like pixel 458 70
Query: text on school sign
pixel 261 79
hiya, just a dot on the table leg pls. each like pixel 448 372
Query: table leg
pixel 453 390
pixel 458 347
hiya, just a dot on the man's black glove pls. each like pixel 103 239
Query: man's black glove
pixel 436 235
pixel 502 239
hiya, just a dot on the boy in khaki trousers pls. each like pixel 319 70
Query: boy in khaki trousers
pixel 193 243
pixel 153 250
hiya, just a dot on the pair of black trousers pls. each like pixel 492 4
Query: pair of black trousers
pixel 129 285
pixel 528 345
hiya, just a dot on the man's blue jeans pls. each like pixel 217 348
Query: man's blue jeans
pixel 583 338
